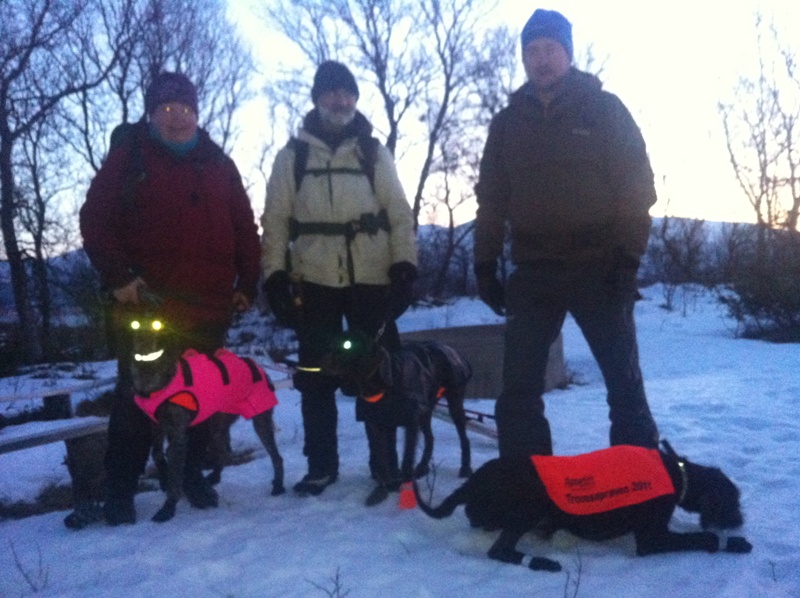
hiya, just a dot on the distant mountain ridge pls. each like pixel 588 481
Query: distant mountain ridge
pixel 68 260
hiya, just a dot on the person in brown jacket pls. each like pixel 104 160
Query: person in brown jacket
pixel 565 167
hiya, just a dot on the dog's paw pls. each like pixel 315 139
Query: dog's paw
pixel 201 494
pixel 538 563
pixel 513 557
pixel 738 545
pixel 277 490
pixel 165 513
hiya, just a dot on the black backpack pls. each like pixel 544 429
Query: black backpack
pixel 128 134
pixel 368 155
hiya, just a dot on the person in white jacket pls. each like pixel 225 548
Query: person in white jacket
pixel 338 243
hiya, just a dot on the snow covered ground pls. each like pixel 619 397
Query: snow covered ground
pixel 719 400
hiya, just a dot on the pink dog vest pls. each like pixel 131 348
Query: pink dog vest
pixel 604 480
pixel 223 383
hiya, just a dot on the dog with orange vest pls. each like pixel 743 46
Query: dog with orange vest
pixel 597 496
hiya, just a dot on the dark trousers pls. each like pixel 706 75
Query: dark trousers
pixel 363 307
pixel 539 298
pixel 130 430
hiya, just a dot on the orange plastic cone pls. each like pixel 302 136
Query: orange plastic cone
pixel 407 499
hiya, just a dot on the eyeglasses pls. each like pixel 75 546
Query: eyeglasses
pixel 175 108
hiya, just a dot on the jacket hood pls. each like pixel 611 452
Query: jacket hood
pixel 575 82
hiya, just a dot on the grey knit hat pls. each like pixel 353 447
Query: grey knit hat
pixel 170 87
pixel 548 23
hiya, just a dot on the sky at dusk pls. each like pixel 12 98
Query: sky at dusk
pixel 670 63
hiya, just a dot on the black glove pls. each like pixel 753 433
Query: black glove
pixel 278 290
pixel 490 290
pixel 401 288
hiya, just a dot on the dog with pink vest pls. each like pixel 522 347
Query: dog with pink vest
pixel 179 393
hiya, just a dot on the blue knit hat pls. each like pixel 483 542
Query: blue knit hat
pixel 548 23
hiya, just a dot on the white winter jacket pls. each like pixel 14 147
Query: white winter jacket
pixel 336 197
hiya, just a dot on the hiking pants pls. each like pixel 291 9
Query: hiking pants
pixel 363 307
pixel 539 298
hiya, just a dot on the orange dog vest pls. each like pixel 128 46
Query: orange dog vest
pixel 604 480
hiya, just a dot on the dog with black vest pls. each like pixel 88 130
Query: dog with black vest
pixel 181 390
pixel 400 389
pixel 597 496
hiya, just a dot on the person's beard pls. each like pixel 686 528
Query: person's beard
pixel 336 119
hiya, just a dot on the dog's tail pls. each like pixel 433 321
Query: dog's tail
pixel 448 506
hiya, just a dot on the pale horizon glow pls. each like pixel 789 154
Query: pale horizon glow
pixel 670 63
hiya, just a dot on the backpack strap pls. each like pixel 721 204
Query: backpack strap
pixel 368 149
pixel 367 156
pixel 127 134
pixel 300 160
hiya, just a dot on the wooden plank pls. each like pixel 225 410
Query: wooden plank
pixel 440 412
pixel 22 436
pixel 41 393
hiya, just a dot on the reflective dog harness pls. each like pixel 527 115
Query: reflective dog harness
pixel 223 382
pixel 604 480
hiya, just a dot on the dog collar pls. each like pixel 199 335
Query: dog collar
pixel 684 481
pixel 149 356
pixel 374 398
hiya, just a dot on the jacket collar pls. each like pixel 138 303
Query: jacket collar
pixel 575 84
pixel 358 127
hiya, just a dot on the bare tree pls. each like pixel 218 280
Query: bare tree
pixel 46 54
pixel 43 173
pixel 71 71
pixel 414 53
pixel 191 37
pixel 760 127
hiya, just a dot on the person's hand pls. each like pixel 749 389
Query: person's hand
pixel 130 292
pixel 490 290
pixel 401 288
pixel 278 290
pixel 240 302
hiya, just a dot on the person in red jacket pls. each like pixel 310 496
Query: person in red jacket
pixel 167 216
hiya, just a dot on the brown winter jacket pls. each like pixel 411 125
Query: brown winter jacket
pixel 186 227
pixel 574 182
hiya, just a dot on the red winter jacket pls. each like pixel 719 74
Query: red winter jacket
pixel 186 227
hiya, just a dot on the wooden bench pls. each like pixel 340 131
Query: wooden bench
pixel 38 433
pixel 22 436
